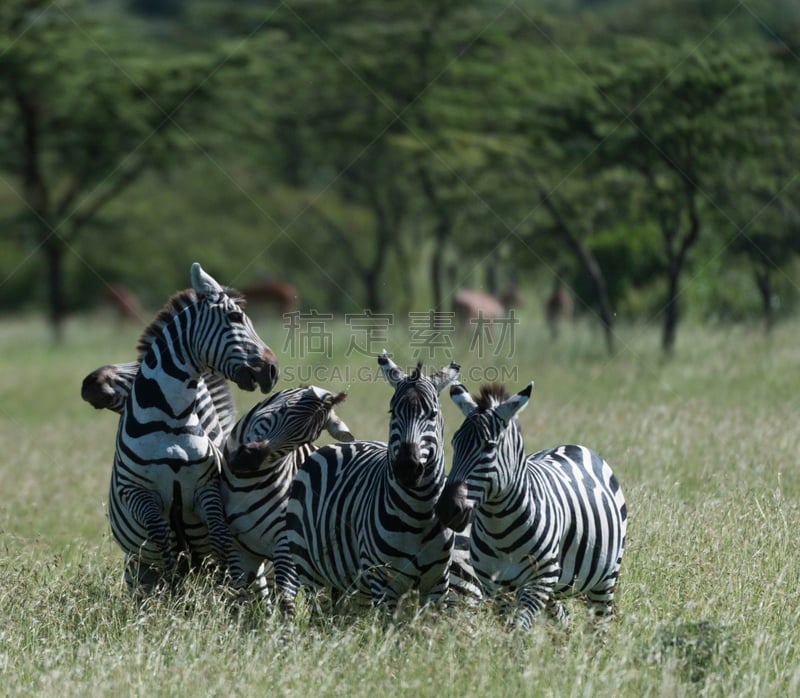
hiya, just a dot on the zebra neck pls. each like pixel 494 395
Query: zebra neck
pixel 274 469
pixel 167 382
pixel 420 500
pixel 516 496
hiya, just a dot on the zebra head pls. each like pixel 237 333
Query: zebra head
pixel 415 425
pixel 281 424
pixel 488 452
pixel 222 337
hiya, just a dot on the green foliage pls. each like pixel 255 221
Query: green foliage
pixel 355 148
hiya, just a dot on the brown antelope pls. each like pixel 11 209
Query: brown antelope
pixel 124 302
pixel 281 295
pixel 471 304
pixel 558 308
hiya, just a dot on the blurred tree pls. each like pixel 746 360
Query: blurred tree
pixel 84 112
pixel 672 115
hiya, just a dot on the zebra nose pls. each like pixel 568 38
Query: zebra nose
pixel 264 373
pixel 249 457
pixel 407 466
pixel 453 508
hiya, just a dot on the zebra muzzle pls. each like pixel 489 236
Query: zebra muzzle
pixel 265 376
pixel 249 457
pixel 407 465
pixel 453 508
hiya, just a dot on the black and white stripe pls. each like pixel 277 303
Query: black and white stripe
pixel 547 526
pixel 360 515
pixel 108 387
pixel 262 454
pixel 164 497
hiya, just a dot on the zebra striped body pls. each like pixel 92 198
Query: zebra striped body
pixel 546 526
pixel 262 455
pixel 164 496
pixel 108 388
pixel 360 515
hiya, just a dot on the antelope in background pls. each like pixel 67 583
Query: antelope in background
pixel 280 295
pixel 124 302
pixel 558 308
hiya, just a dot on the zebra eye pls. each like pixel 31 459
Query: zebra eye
pixel 236 316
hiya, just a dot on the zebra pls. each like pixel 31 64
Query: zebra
pixel 262 455
pixel 164 496
pixel 360 515
pixel 547 526
pixel 262 452
pixel 108 387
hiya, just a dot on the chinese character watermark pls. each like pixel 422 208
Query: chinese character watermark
pixel 483 337
pixel 369 332
pixel 308 333
pixel 429 331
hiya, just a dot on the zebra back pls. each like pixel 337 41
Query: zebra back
pixel 108 388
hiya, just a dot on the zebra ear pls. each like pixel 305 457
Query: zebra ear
pixel 515 404
pixel 204 284
pixel 441 379
pixel 460 395
pixel 338 429
pixel 320 393
pixel 391 372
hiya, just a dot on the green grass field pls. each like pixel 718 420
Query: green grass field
pixel 705 446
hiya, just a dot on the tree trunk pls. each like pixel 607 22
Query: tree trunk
pixel 671 309
pixel 600 291
pixel 764 283
pixel 54 256
pixel 373 291
pixel 592 268
pixel 437 274
pixel 441 234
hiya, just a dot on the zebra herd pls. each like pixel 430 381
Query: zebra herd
pixel 260 504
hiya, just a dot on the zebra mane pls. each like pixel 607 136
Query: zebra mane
pixel 491 395
pixel 219 390
pixel 416 374
pixel 176 304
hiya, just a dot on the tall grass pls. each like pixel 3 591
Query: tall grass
pixel 705 446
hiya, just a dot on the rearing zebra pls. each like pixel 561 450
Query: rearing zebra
pixel 164 496
pixel 108 387
pixel 546 526
pixel 360 515
pixel 262 455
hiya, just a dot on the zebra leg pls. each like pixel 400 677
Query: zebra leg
pixel 208 505
pixel 531 601
pixel 287 579
pixel 600 601
pixel 145 508
pixel 141 579
pixel 246 572
pixel 380 594
pixel 557 611
pixel 438 592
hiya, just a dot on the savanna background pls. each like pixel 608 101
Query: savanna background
pixel 379 157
